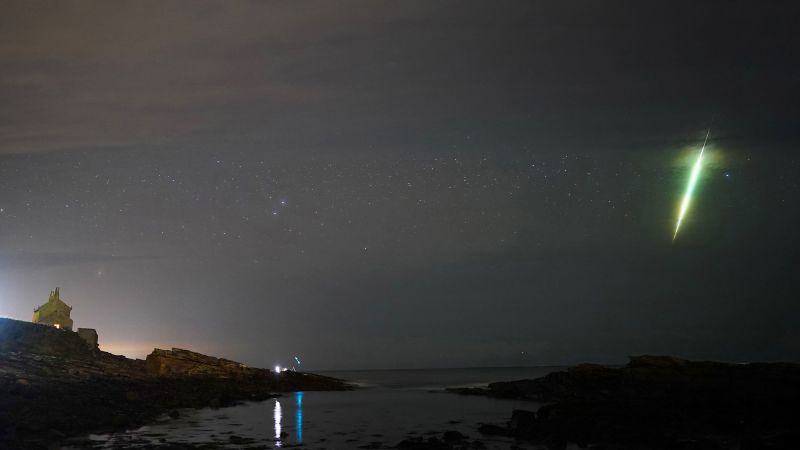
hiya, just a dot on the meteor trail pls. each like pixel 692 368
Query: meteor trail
pixel 687 197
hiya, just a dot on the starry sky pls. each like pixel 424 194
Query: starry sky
pixel 404 184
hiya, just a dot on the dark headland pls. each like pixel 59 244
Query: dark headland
pixel 54 387
pixel 656 402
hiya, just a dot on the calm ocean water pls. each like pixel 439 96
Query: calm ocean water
pixel 390 406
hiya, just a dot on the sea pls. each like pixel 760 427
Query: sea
pixel 389 406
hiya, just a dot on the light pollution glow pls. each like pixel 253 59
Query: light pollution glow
pixel 687 196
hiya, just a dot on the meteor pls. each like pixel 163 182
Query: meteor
pixel 687 197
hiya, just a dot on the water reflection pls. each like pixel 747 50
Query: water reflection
pixel 277 415
pixel 299 416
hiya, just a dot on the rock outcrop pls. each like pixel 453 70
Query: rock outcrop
pixel 658 402
pixel 179 362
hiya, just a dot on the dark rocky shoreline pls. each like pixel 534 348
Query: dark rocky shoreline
pixel 52 387
pixel 657 402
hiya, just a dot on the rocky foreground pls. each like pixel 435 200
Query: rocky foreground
pixel 657 402
pixel 52 386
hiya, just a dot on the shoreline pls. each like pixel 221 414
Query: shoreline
pixel 655 402
pixel 52 387
pixel 54 390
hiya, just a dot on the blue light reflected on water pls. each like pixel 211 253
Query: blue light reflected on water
pixel 299 416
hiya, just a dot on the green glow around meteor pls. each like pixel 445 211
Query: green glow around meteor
pixel 687 197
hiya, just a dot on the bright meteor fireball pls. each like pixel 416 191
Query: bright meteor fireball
pixel 687 196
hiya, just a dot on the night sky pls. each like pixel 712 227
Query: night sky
pixel 404 184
